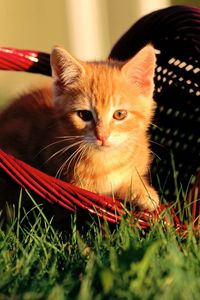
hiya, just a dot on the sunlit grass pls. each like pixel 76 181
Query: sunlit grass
pixel 125 262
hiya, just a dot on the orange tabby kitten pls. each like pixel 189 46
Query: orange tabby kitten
pixel 91 131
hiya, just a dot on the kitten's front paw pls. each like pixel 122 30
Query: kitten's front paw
pixel 148 200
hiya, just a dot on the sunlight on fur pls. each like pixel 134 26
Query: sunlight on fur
pixel 91 128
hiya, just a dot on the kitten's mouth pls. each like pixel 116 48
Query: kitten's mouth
pixel 99 144
pixel 102 144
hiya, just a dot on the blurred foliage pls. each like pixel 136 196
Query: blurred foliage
pixel 186 2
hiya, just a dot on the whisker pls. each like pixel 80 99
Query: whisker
pixel 70 159
pixel 69 137
pixel 155 125
pixel 79 150
pixel 63 150
pixel 87 178
pixel 64 138
pixel 156 143
pixel 81 156
pixel 155 155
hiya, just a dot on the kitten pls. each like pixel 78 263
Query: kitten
pixel 91 128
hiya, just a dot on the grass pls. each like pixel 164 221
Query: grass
pixel 38 262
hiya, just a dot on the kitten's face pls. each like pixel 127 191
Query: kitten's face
pixel 107 105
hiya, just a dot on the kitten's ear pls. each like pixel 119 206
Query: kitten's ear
pixel 140 70
pixel 66 70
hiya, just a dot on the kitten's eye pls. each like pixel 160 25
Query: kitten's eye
pixel 120 114
pixel 85 115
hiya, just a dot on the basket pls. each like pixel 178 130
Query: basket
pixel 175 140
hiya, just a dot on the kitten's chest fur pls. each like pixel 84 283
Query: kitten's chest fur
pixel 106 172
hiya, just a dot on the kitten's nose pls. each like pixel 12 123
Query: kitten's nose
pixel 101 138
pixel 102 135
